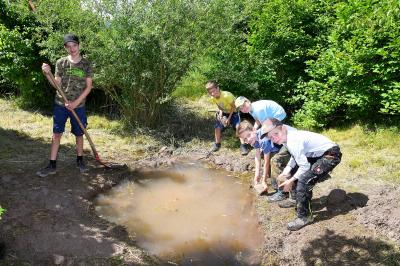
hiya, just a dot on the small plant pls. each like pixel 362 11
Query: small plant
pixel 1 211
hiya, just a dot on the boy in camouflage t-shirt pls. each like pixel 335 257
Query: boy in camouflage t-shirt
pixel 74 75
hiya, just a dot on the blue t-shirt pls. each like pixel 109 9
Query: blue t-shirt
pixel 267 109
pixel 265 145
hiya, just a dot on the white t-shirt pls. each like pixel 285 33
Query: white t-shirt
pixel 302 144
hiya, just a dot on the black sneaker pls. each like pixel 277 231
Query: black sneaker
pixel 215 147
pixel 243 149
pixel 48 170
pixel 287 203
pixel 82 167
pixel 299 223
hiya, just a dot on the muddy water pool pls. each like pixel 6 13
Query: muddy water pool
pixel 189 215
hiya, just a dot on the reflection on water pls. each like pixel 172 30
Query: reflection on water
pixel 189 214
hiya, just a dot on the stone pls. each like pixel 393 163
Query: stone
pixel 58 259
pixel 336 196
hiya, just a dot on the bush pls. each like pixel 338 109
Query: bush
pixel 19 56
pixel 359 66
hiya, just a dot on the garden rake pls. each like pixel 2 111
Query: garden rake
pixel 96 155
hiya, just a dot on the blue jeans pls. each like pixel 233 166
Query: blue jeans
pixel 60 116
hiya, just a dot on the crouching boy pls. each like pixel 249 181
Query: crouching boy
pixel 226 116
pixel 315 156
pixel 263 146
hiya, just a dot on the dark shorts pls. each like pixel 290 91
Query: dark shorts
pixel 60 116
pixel 233 122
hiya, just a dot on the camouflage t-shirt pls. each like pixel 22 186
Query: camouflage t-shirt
pixel 73 78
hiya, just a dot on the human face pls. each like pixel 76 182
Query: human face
pixel 214 92
pixel 277 135
pixel 245 108
pixel 72 48
pixel 249 136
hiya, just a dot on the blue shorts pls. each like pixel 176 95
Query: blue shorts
pixel 234 121
pixel 60 116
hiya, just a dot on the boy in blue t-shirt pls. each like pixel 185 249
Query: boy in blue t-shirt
pixel 264 146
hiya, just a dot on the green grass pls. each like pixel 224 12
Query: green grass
pixel 368 154
pixel 191 86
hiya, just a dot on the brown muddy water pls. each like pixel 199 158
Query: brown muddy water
pixel 188 215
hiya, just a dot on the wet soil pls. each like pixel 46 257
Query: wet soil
pixel 52 220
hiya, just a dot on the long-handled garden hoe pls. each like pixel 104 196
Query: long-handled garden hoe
pixel 96 155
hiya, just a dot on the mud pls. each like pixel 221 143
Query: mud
pixel 52 220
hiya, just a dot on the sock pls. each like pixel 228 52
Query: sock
pixel 53 163
pixel 79 158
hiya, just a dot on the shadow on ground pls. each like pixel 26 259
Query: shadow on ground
pixel 333 249
pixel 49 220
pixel 337 203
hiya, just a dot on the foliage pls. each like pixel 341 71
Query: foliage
pixel 140 49
pixel 224 33
pixel 356 74
pixel 323 60
pixel 19 58
pixel 281 36
pixel 1 211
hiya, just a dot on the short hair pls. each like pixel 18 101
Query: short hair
pixel 244 126
pixel 211 83
pixel 269 125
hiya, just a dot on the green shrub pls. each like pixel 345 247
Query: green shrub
pixel 359 66
pixel 19 56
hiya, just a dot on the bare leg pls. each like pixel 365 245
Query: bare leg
pixel 55 145
pixel 237 134
pixel 79 145
pixel 217 135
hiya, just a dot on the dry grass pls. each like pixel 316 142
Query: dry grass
pixel 369 157
pixel 38 127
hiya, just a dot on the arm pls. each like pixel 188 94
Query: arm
pixel 266 169
pixel 267 166
pixel 257 124
pixel 257 162
pixel 304 166
pixel 290 165
pixel 231 112
pixel 47 70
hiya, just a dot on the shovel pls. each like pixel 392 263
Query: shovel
pixel 96 155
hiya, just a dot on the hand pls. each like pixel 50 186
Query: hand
pixel 46 68
pixel 226 122
pixel 282 178
pixel 264 184
pixel 287 185
pixel 71 105
pixel 257 179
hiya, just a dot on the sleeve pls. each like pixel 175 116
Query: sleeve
pixel 266 146
pixel 290 165
pixel 59 68
pixel 300 159
pixel 89 70
pixel 230 98
pixel 256 145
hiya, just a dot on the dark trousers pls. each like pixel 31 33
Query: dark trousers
pixel 320 168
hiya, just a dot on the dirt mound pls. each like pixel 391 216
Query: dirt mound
pixel 382 213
